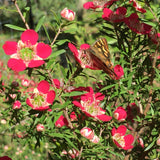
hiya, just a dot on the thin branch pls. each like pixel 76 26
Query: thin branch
pixel 59 31
pixel 20 13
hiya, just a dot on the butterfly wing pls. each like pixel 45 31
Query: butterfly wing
pixel 100 53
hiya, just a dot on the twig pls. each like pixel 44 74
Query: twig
pixel 59 31
pixel 20 13
pixel 152 11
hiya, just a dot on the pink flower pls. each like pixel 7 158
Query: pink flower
pixel 73 116
pixel 114 17
pixel 25 82
pixel 5 158
pixel 137 6
pixel 1 63
pixel 68 14
pixel 89 103
pixel 120 114
pixel 72 153
pixel 40 128
pixel 118 70
pixel 158 141
pixel 90 5
pixel 57 83
pixel 42 97
pixel 134 24
pixel 95 139
pixel 140 141
pixel 27 52
pixel 87 133
pixel 120 139
pixel 81 57
pixel 16 105
pixel 85 60
pixel 95 4
pixel 62 121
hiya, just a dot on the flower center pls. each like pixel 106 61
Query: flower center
pixel 119 139
pixel 91 108
pixel 38 100
pixel 26 54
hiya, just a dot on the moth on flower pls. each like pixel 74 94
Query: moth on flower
pixel 96 56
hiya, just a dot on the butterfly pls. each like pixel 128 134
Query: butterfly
pixel 100 55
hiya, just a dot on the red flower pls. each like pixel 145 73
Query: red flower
pixel 89 103
pixel 5 158
pixel 27 52
pixel 114 17
pixel 120 139
pixel 137 6
pixel 42 97
pixel 118 70
pixel 120 114
pixel 68 14
pixel 62 121
pixel 134 24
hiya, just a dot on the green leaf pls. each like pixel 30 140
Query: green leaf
pixel 15 27
pixel 117 154
pixel 75 93
pixel 70 142
pixel 40 23
pixel 150 145
pixel 47 33
pixel 108 87
pixel 60 42
pixel 57 53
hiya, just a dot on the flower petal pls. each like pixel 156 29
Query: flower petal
pixel 128 139
pixel 104 118
pixel 29 36
pixel 122 130
pixel 35 63
pixel 16 64
pixel 10 47
pixel 43 86
pixel 77 104
pixel 51 96
pixel 43 50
